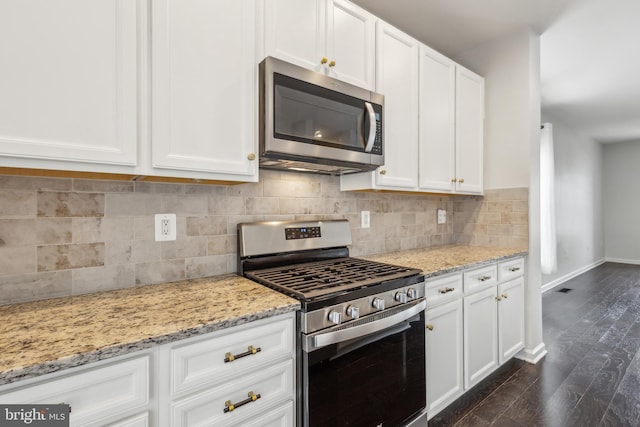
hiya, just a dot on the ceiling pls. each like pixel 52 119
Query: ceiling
pixel 589 54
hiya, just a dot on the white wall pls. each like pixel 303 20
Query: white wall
pixel 511 68
pixel 579 210
pixel 621 181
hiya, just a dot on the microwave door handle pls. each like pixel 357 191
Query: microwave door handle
pixel 372 127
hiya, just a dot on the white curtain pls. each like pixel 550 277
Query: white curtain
pixel 549 262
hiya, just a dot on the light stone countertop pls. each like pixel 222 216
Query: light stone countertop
pixel 40 337
pixel 448 259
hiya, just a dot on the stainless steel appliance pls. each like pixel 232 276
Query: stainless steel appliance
pixel 361 329
pixel 314 123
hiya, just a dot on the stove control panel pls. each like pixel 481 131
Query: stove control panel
pixel 294 233
pixel 359 308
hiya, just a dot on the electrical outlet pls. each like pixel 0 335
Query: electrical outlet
pixel 365 219
pixel 165 227
pixel 442 216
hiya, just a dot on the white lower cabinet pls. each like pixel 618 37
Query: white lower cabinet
pixel 510 318
pixel 444 355
pixel 243 375
pixel 471 333
pixel 107 394
pixel 480 336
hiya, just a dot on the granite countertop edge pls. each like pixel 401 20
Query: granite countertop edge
pixel 67 362
pixel 455 269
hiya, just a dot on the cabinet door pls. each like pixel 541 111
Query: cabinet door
pixel 469 131
pixel 96 395
pixel 351 43
pixel 397 80
pixel 510 318
pixel 437 121
pixel 444 355
pixel 480 336
pixel 204 108
pixel 295 31
pixel 68 85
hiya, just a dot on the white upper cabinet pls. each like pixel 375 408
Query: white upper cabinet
pixel 451 126
pixel 437 155
pixel 469 131
pixel 397 80
pixel 433 120
pixel 69 84
pixel 204 89
pixel 334 37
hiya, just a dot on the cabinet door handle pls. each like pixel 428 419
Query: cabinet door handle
pixel 484 278
pixel 430 327
pixel 504 296
pixel 383 172
pixel 445 290
pixel 251 156
pixel 514 269
pixel 324 60
pixel 498 298
pixel 229 357
pixel 332 63
pixel 453 179
pixel 461 180
pixel 229 407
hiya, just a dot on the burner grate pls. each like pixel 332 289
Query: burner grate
pixel 309 280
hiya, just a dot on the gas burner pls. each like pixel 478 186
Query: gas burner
pixel 308 281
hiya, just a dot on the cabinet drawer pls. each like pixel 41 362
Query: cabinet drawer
pixel 442 289
pixel 273 383
pixel 141 420
pixel 510 269
pixel 92 394
pixel 202 363
pixel 480 278
pixel 282 416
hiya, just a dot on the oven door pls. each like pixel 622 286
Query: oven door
pixel 371 373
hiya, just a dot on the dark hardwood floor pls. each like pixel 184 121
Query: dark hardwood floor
pixel 591 374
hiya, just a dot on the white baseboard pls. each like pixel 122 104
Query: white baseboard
pixel 624 261
pixel 532 355
pixel 546 287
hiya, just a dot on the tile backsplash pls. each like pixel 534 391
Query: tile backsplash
pixel 67 236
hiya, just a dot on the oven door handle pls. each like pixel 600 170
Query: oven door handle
pixel 315 342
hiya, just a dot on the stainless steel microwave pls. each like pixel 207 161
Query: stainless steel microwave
pixel 314 123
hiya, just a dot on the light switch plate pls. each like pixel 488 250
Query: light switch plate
pixel 442 216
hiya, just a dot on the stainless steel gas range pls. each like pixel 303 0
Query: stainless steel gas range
pixel 361 329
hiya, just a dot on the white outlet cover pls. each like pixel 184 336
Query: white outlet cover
pixel 365 219
pixel 442 216
pixel 165 225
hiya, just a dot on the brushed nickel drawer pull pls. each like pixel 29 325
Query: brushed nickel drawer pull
pixel 445 290
pixel 230 407
pixel 229 357
pixel 484 278
pixel 514 269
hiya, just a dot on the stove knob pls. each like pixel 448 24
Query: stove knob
pixel 353 312
pixel 378 304
pixel 335 317
pixel 401 297
pixel 412 293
